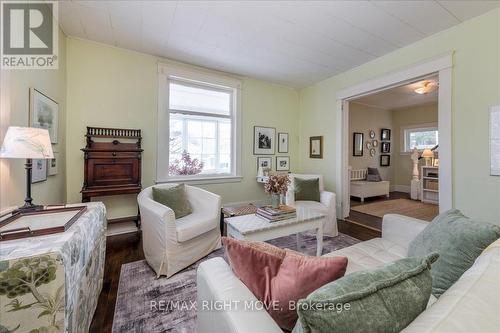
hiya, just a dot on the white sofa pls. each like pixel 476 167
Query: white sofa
pixel 173 244
pixel 472 304
pixel 326 205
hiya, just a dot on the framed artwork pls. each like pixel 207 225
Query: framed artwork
pixel 385 134
pixel 282 142
pixel 264 162
pixel 52 165
pixel 357 144
pixel 39 171
pixel 372 152
pixel 385 148
pixel 263 140
pixel 282 163
pixel 495 141
pixel 316 147
pixel 372 134
pixel 44 113
pixel 385 160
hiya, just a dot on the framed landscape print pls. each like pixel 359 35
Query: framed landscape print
pixel 282 142
pixel 264 140
pixel 282 163
pixel 39 171
pixel 264 162
pixel 316 147
pixel 44 113
pixel 385 134
pixel 385 148
pixel 52 165
pixel 495 141
pixel 385 160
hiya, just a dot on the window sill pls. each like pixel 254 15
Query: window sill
pixel 203 180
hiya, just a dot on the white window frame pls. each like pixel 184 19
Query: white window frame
pixel 407 129
pixel 199 78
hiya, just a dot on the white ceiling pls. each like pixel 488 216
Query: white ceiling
pixel 290 42
pixel 402 96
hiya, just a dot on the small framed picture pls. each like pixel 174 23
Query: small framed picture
pixel 264 162
pixel 39 171
pixel 316 147
pixel 385 148
pixel 282 163
pixel 282 142
pixel 385 160
pixel 52 165
pixel 263 138
pixel 385 134
pixel 44 113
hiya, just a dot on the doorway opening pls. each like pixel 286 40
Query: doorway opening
pixel 394 162
pixel 437 70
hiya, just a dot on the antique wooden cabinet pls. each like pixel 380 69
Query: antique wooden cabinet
pixel 112 162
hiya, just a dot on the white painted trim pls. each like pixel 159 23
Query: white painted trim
pixel 445 140
pixel 441 65
pixel 423 68
pixel 167 71
pixel 203 180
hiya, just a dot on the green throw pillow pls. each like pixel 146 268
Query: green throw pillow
pixel 384 299
pixel 458 240
pixel 306 189
pixel 175 198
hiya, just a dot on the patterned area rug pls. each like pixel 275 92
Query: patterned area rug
pixel 143 301
pixel 412 208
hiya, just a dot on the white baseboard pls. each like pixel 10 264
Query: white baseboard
pixel 400 188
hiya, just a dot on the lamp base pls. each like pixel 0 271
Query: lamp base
pixel 28 208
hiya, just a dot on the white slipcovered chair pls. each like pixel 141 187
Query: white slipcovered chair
pixel 172 244
pixel 326 205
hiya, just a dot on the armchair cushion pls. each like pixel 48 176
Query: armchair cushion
pixel 175 198
pixel 193 225
pixel 307 189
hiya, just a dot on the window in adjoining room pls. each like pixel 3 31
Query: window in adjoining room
pixel 420 138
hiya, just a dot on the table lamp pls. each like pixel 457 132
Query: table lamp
pixel 28 143
pixel 427 154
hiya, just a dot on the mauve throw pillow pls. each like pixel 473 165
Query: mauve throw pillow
pixel 373 175
pixel 278 277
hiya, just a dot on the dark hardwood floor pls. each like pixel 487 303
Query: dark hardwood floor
pixel 120 249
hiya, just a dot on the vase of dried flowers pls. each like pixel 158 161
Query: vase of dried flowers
pixel 276 186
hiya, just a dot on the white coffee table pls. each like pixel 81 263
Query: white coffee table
pixel 252 227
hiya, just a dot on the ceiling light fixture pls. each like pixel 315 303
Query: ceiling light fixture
pixel 427 87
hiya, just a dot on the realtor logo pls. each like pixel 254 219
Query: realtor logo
pixel 29 35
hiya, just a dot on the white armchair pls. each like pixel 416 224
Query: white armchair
pixel 173 244
pixel 325 206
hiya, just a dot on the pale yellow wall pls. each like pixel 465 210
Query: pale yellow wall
pixel 112 87
pixel 362 119
pixel 15 112
pixel 417 115
pixel 476 87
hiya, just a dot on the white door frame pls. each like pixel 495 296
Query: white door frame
pixel 442 66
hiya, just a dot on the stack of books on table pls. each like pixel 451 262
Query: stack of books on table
pixel 276 214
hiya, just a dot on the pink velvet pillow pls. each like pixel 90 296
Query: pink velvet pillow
pixel 279 277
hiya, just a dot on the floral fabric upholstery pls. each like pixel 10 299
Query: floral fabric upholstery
pixel 52 283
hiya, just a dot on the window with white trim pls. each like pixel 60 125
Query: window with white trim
pixel 200 125
pixel 420 138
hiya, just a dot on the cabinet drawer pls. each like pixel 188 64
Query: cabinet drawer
pixel 112 154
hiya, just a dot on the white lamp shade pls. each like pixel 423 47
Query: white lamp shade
pixel 427 153
pixel 26 142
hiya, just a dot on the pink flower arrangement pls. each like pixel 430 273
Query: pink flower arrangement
pixel 277 184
